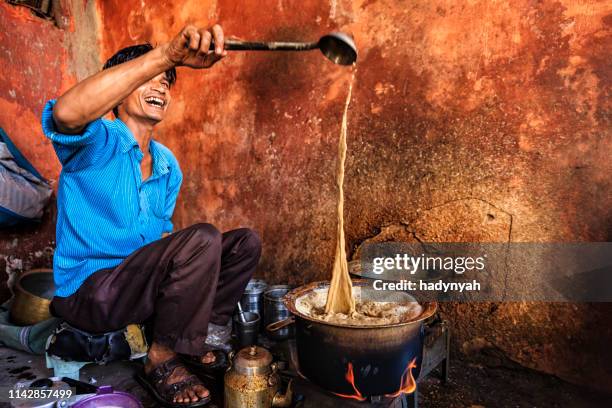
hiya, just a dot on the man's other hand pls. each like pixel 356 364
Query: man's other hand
pixel 191 47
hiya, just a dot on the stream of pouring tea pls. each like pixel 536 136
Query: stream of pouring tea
pixel 340 295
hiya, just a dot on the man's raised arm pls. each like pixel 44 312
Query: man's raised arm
pixel 98 94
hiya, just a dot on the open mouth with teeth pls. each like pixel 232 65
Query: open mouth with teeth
pixel 155 101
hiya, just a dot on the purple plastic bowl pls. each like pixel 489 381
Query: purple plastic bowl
pixel 107 398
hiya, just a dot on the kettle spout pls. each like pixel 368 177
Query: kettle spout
pixel 283 400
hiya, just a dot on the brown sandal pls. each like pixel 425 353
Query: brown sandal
pixel 217 367
pixel 156 384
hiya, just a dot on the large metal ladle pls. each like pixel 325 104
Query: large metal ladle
pixel 339 48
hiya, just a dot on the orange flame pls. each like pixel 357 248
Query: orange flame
pixel 408 384
pixel 350 377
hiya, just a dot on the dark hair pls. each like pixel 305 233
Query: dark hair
pixel 129 53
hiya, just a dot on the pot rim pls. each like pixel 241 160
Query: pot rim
pixel 429 308
pixel 28 308
pixel 19 287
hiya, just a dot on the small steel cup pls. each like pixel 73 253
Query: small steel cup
pixel 252 299
pixel 246 332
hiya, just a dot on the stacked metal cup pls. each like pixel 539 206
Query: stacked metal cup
pixel 275 310
pixel 252 299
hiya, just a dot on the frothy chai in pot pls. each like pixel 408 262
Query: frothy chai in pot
pixel 371 308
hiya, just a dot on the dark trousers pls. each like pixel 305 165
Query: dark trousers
pixel 179 284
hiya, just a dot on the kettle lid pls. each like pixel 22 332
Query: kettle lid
pixel 253 360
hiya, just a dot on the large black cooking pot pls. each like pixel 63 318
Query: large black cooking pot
pixel 379 355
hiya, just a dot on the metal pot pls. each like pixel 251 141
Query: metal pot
pixel 380 356
pixel 33 293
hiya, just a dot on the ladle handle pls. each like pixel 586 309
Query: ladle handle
pixel 239 45
pixel 280 324
pixel 241 313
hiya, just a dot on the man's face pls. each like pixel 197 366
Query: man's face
pixel 149 101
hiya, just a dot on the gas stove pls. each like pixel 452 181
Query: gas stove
pixel 308 395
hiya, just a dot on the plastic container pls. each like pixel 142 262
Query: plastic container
pixel 107 398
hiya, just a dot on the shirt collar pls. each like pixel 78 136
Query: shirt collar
pixel 127 140
pixel 161 165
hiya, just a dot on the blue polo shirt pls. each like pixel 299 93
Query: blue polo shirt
pixel 104 209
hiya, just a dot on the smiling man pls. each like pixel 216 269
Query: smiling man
pixel 117 192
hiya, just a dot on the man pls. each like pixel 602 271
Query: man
pixel 117 192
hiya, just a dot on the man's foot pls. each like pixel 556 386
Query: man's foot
pixel 208 358
pixel 192 392
pixel 212 363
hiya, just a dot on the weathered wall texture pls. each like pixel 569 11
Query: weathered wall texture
pixel 471 120
pixel 40 58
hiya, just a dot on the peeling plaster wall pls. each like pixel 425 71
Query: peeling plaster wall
pixel 471 121
pixel 40 59
pixel 459 107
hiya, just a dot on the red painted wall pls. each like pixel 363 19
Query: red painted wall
pixel 471 120
pixel 459 108
pixel 34 69
pixel 40 59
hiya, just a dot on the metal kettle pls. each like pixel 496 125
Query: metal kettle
pixel 252 381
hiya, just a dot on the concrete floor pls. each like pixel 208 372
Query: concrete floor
pixel 481 382
pixel 22 367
